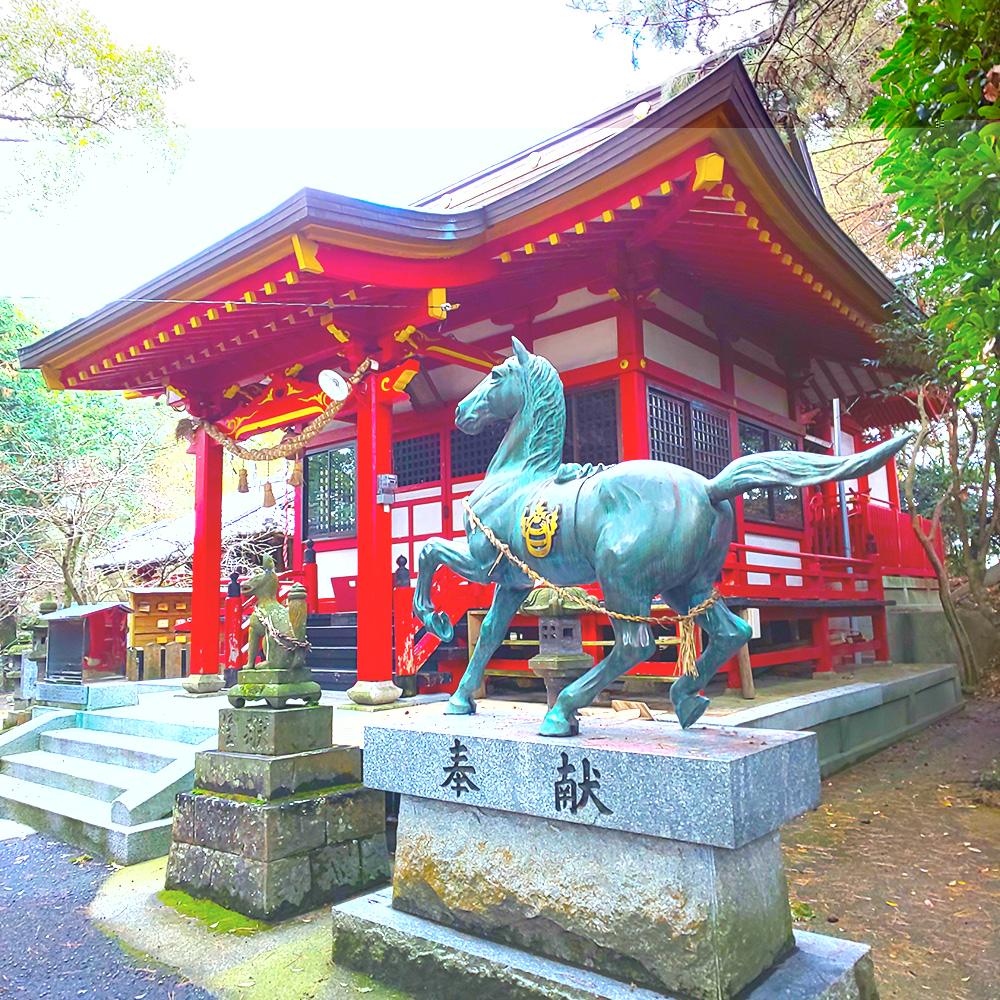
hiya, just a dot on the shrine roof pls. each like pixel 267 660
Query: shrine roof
pixel 332 246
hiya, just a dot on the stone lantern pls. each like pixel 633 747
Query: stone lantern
pixel 560 658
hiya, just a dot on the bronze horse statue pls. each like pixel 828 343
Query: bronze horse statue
pixel 639 529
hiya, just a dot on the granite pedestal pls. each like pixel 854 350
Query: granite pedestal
pixel 278 822
pixel 639 854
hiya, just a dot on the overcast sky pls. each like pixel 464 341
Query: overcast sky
pixel 383 101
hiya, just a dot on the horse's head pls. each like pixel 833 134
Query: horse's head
pixel 500 396
pixel 263 583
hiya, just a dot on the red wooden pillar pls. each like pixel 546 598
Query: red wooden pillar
pixel 204 675
pixel 374 457
pixel 632 383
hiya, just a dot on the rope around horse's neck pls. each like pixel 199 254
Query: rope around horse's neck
pixel 687 652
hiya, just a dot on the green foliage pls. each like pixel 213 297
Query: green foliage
pixel 73 473
pixel 66 86
pixel 941 118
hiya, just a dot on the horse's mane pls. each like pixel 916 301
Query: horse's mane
pixel 541 424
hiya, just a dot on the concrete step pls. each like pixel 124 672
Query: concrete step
pixel 127 725
pixel 81 821
pixel 104 782
pixel 114 748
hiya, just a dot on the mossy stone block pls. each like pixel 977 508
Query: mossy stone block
pixel 264 777
pixel 276 731
pixel 264 832
pixel 354 813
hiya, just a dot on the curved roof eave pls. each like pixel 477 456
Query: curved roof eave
pixel 727 89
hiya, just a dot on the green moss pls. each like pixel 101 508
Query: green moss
pixel 314 793
pixel 216 918
pixel 802 911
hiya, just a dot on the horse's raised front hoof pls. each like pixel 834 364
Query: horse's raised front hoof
pixel 458 704
pixel 439 624
pixel 556 724
pixel 691 709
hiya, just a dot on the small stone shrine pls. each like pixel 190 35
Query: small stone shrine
pixel 638 861
pixel 278 822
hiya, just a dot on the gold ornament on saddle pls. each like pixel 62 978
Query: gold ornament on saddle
pixel 539 524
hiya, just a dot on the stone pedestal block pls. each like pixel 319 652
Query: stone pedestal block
pixel 641 854
pixel 272 835
pixel 665 914
pixel 275 731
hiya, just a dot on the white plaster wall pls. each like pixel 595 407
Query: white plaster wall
pixel 878 484
pixel 400 522
pixel 685 314
pixel 454 382
pixel 427 518
pixel 477 331
pixel 760 391
pixel 681 355
pixel 339 562
pixel 586 345
pixel 579 298
pixel 776 561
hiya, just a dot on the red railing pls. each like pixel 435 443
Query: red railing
pixel 768 574
pixel 879 532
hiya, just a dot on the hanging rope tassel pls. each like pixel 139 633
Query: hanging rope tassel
pixel 243 486
pixel 295 479
pixel 269 500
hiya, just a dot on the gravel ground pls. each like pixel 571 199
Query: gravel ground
pixel 48 948
pixel 904 854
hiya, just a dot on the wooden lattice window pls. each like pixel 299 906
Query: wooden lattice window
pixel 472 453
pixel 777 504
pixel 417 460
pixel 330 486
pixel 592 426
pixel 687 433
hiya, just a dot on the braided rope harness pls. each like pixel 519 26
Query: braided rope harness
pixel 687 651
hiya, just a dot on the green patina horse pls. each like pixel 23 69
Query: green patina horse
pixel 639 529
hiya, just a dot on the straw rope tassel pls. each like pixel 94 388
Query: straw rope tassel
pixel 687 650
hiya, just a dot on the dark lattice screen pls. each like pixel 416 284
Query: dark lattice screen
pixel 330 478
pixel 471 453
pixel 417 460
pixel 711 451
pixel 688 434
pixel 668 428
pixel 592 427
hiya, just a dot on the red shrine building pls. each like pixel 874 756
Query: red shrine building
pixel 671 257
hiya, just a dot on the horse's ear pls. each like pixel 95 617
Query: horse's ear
pixel 268 563
pixel 521 353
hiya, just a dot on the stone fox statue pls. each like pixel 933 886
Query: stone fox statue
pixel 639 529
pixel 278 631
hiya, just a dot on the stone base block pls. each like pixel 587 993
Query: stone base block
pixel 427 959
pixel 374 693
pixel 260 777
pixel 276 731
pixel 279 889
pixel 86 697
pixel 201 684
pixel 668 915
pixel 272 857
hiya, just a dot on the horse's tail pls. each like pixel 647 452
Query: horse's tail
pixel 798 468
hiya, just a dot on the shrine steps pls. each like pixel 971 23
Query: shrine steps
pixel 100 781
pixel 333 654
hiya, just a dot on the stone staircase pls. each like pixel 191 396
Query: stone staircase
pixel 103 782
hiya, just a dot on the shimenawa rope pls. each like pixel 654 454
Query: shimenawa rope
pixel 289 446
pixel 687 651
